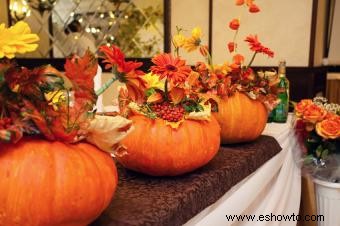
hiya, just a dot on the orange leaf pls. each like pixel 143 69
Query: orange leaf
pixel 192 78
pixel 155 98
pixel 177 94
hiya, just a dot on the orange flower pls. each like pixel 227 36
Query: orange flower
pixel 238 59
pixel 113 56
pixel 126 71
pixel 234 24
pixel 239 2
pixel 172 68
pixel 254 8
pixel 301 106
pixel 256 46
pixel 314 113
pixel 231 46
pixel 329 128
pixel 135 85
pixel 204 50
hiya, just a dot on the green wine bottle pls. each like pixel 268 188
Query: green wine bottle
pixel 280 113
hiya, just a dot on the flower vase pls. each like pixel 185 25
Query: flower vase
pixel 241 118
pixel 157 149
pixel 53 183
pixel 328 202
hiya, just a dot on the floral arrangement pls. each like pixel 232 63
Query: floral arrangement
pixel 225 79
pixel 43 101
pixel 175 91
pixel 162 93
pixel 317 125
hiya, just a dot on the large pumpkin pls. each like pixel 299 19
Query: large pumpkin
pixel 156 149
pixel 46 183
pixel 241 118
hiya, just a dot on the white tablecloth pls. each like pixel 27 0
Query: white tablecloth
pixel 273 189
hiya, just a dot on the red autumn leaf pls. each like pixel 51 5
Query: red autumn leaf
pixel 81 72
pixel 31 112
pixel 61 133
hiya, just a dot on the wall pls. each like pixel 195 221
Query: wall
pixel 188 14
pixel 334 52
pixel 3 12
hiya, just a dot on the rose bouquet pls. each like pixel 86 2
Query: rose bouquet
pixel 317 125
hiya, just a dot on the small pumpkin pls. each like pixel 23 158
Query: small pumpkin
pixel 241 118
pixel 157 149
pixel 52 183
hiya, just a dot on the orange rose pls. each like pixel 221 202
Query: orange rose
pixel 331 115
pixel 329 128
pixel 301 106
pixel 314 113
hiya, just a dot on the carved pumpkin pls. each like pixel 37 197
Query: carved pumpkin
pixel 52 183
pixel 241 118
pixel 156 149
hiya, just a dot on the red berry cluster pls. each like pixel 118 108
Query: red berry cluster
pixel 169 112
pixel 5 122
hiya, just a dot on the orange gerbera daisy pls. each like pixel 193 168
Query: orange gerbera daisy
pixel 126 71
pixel 172 68
pixel 256 46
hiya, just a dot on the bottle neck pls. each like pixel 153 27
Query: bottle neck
pixel 282 75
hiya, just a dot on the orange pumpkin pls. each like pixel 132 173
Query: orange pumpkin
pixel 241 118
pixel 52 183
pixel 156 149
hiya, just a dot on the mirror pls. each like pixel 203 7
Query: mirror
pixel 72 26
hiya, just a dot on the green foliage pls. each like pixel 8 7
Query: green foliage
pixel 191 105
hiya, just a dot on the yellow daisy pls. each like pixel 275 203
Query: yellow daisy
pixel 153 81
pixel 193 42
pixel 178 40
pixel 16 39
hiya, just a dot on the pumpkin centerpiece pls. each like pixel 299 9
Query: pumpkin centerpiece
pixel 241 118
pixel 174 131
pixel 49 175
pixel 54 183
pixel 240 98
pixel 157 149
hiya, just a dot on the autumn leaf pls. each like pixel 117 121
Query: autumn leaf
pixel 177 94
pixel 31 112
pixel 155 98
pixel 192 78
pixel 174 125
pixel 81 72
